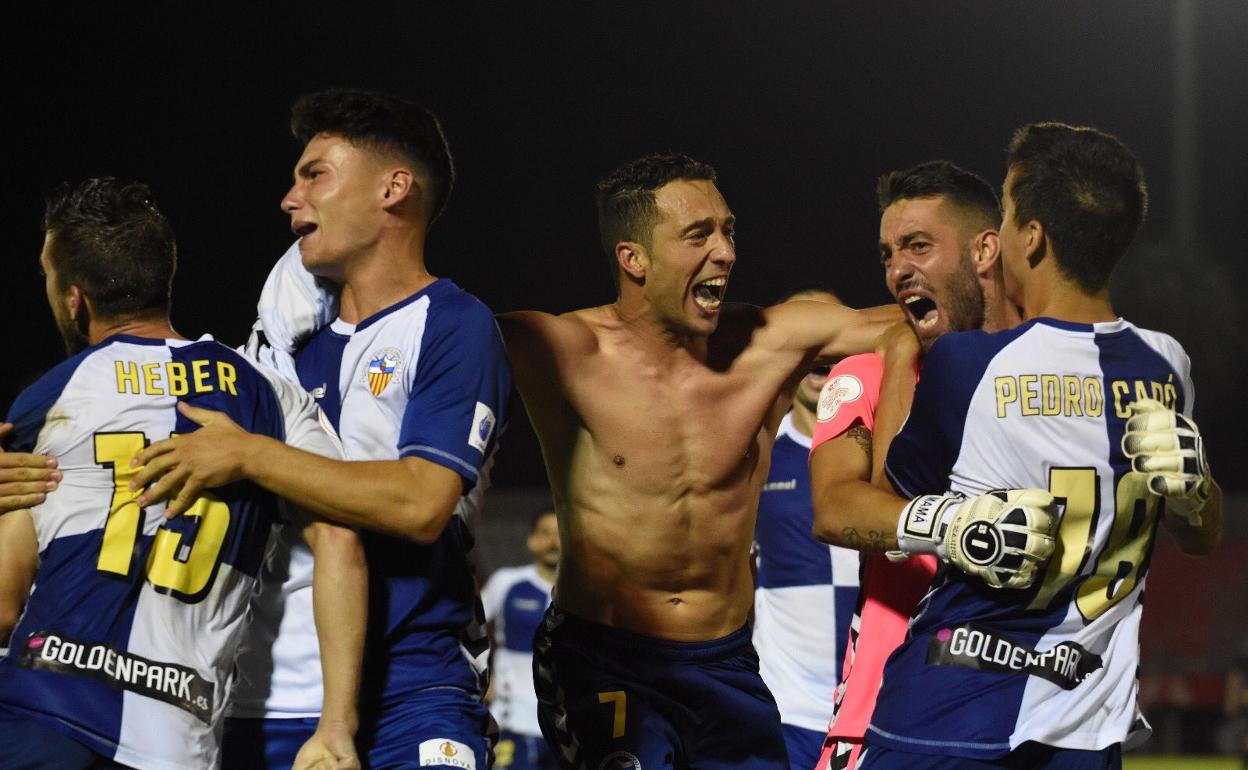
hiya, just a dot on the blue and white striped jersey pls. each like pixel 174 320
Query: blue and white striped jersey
pixel 515 600
pixel 426 377
pixel 1042 405
pixel 806 591
pixel 129 635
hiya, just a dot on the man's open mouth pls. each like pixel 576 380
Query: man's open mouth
pixel 710 293
pixel 922 310
pixel 302 228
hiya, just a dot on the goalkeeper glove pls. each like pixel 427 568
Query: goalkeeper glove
pixel 1002 537
pixel 1166 447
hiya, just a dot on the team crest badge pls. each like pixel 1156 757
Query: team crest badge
pixel 382 366
pixel 445 752
pixel 842 389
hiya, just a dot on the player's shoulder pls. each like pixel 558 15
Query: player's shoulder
pixel 32 404
pixel 863 365
pixel 968 353
pixel 1161 343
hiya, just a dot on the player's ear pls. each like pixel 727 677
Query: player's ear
pixel 633 259
pixel 76 302
pixel 399 187
pixel 1034 245
pixel 986 251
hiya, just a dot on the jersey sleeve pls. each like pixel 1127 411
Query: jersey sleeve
pixel 923 454
pixel 29 411
pixel 459 391
pixel 306 426
pixel 849 396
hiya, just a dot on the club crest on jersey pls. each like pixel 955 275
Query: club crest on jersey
pixel 382 366
pixel 444 752
pixel 841 389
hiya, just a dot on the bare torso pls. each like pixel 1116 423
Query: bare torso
pixel 656 460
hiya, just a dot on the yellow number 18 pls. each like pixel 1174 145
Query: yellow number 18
pixel 1118 565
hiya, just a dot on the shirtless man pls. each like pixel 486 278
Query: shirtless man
pixel 656 415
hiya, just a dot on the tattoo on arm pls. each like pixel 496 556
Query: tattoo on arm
pixel 862 437
pixel 872 541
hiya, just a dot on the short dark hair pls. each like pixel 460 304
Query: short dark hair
pixel 627 210
pixel 1087 190
pixel 110 240
pixel 964 189
pixel 382 122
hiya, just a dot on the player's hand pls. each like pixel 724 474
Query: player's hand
pixel 1166 446
pixel 1002 537
pixel 898 342
pixel 331 747
pixel 179 468
pixel 25 479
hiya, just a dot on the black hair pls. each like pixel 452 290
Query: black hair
pixel 627 209
pixel 383 122
pixel 109 239
pixel 935 178
pixel 1085 188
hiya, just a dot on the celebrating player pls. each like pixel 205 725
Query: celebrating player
pixel 515 599
pixel 940 252
pixel 656 415
pixel 1076 400
pixel 125 649
pixel 806 590
pixel 413 375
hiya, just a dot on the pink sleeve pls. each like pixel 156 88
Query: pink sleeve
pixel 849 396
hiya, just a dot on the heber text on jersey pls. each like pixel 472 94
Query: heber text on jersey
pixel 175 378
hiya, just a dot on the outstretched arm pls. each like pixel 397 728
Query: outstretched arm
pixel 411 497
pixel 826 332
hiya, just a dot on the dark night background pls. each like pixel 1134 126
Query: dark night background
pixel 800 105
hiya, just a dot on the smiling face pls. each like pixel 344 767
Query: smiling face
pixel 926 253
pixel 335 203
pixel 543 541
pixel 689 257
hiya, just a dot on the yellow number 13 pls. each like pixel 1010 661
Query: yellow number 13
pixel 183 570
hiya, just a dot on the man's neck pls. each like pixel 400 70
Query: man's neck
pixel 387 275
pixel 1054 297
pixel 803 419
pixel 653 335
pixel 155 327
pixel 546 573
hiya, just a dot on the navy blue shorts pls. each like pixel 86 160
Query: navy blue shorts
pixel 29 745
pixel 613 700
pixel 517 751
pixel 440 725
pixel 1029 756
pixel 265 744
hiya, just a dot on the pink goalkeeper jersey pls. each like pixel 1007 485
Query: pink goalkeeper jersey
pixel 890 590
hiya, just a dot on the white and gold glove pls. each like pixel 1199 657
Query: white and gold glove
pixel 1002 537
pixel 1166 446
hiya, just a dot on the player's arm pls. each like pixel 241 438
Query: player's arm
pixel 340 610
pixel 411 497
pixel 825 332
pixel 849 510
pixel 19 558
pixel 25 478
pixel 1166 446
